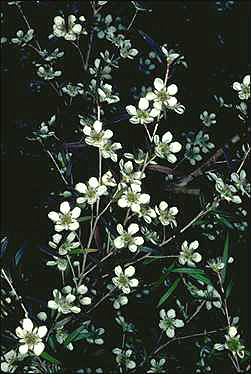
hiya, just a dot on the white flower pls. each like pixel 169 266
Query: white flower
pixel 11 359
pixel 232 343
pixel 187 254
pixel 105 94
pixel 47 72
pixel 92 191
pixel 31 339
pixel 143 114
pixel 66 246
pixel 214 294
pixel 208 119
pixel 215 265
pixel 69 31
pixel 156 367
pixel 126 238
pixel 126 51
pixel 95 135
pixel 63 304
pixel 73 90
pixel 122 280
pixel 133 199
pixel 163 95
pixel 243 88
pixel 108 180
pixel 166 216
pixel 241 182
pixel 170 55
pixel 168 322
pixel 147 213
pixel 123 358
pixel 108 150
pixel 165 149
pixel 66 219
pixel 22 39
pixel 128 173
pixel 227 191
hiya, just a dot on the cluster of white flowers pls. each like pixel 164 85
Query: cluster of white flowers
pixel 169 322
pixel 69 30
pixel 31 338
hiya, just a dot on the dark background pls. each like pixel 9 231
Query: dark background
pixel 215 44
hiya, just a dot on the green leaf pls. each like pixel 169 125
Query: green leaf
pixel 51 343
pixel 225 256
pixel 83 219
pixel 197 274
pixel 168 292
pixel 72 337
pixel 49 358
pixel 79 251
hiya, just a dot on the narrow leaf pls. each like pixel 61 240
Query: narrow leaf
pixel 168 292
pixel 49 358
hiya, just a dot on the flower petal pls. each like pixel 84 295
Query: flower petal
pixel 38 348
pixel 175 147
pixel 167 137
pixel 81 187
pixel 53 216
pixel 138 240
pixel 171 313
pixel 74 226
pixel 158 84
pixel 246 80
pixel 172 101
pixel 133 282
pixel 163 205
pixel 23 349
pixel 143 104
pixel 172 89
pixel 118 270
pixel 93 182
pixel 237 86
pixel 65 207
pixel 133 228
pixel 27 324
pixel 19 332
pixel 42 331
pixel 131 110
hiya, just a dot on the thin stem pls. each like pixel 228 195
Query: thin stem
pixel 86 63
pixel 102 299
pixel 14 291
pixel 80 53
pixel 96 265
pixel 73 272
pixel 58 169
pixel 148 133
pixel 27 23
pixel 244 159
pixel 205 333
pixel 132 20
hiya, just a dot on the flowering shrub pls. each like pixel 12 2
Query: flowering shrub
pixel 130 268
